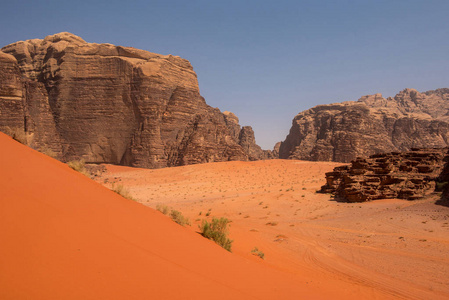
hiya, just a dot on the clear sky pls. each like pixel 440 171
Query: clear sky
pixel 264 60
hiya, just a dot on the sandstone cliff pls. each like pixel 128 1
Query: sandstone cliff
pixel 244 136
pixel 112 104
pixel 11 93
pixel 343 131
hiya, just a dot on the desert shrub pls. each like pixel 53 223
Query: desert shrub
pixel 257 252
pixel 79 165
pixel 122 191
pixel 175 215
pixel 217 231
pixel 163 209
pixel 272 223
pixel 19 135
pixel 178 217
pixel 47 151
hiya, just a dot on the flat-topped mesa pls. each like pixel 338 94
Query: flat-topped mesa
pixel 38 56
pixel 403 175
pixel 110 104
pixel 343 131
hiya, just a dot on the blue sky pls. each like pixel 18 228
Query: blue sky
pixel 265 60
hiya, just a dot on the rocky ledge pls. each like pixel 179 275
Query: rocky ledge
pixel 402 175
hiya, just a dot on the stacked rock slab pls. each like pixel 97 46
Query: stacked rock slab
pixel 110 104
pixel 343 131
pixel 407 175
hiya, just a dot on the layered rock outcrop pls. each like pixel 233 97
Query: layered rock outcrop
pixel 11 92
pixel 343 131
pixel 443 183
pixel 406 175
pixel 244 136
pixel 111 104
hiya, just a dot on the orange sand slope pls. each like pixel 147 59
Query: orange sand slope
pixel 64 236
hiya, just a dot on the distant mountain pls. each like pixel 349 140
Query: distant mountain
pixel 343 131
pixel 112 104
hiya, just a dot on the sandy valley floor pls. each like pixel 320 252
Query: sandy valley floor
pixel 377 250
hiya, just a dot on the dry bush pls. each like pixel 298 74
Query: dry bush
pixel 178 217
pixel 175 215
pixel 217 231
pixel 80 166
pixel 257 252
pixel 163 209
pixel 47 151
pixel 122 191
pixel 272 223
pixel 19 135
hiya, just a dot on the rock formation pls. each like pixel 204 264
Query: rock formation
pixel 244 136
pixel 233 124
pixel 443 183
pixel 276 148
pixel 343 131
pixel 248 143
pixel 112 104
pixel 405 175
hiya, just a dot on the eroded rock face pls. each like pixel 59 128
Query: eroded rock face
pixel 233 124
pixel 111 104
pixel 343 131
pixel 245 137
pixel 442 183
pixel 11 93
pixel 248 143
pixel 406 175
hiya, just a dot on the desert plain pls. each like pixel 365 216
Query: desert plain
pixel 384 249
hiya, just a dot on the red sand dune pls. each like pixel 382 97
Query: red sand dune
pixel 64 236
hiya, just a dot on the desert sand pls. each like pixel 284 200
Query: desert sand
pixel 385 249
pixel 64 236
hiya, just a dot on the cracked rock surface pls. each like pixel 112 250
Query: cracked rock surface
pixel 406 175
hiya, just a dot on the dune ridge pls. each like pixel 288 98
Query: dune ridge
pixel 67 237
